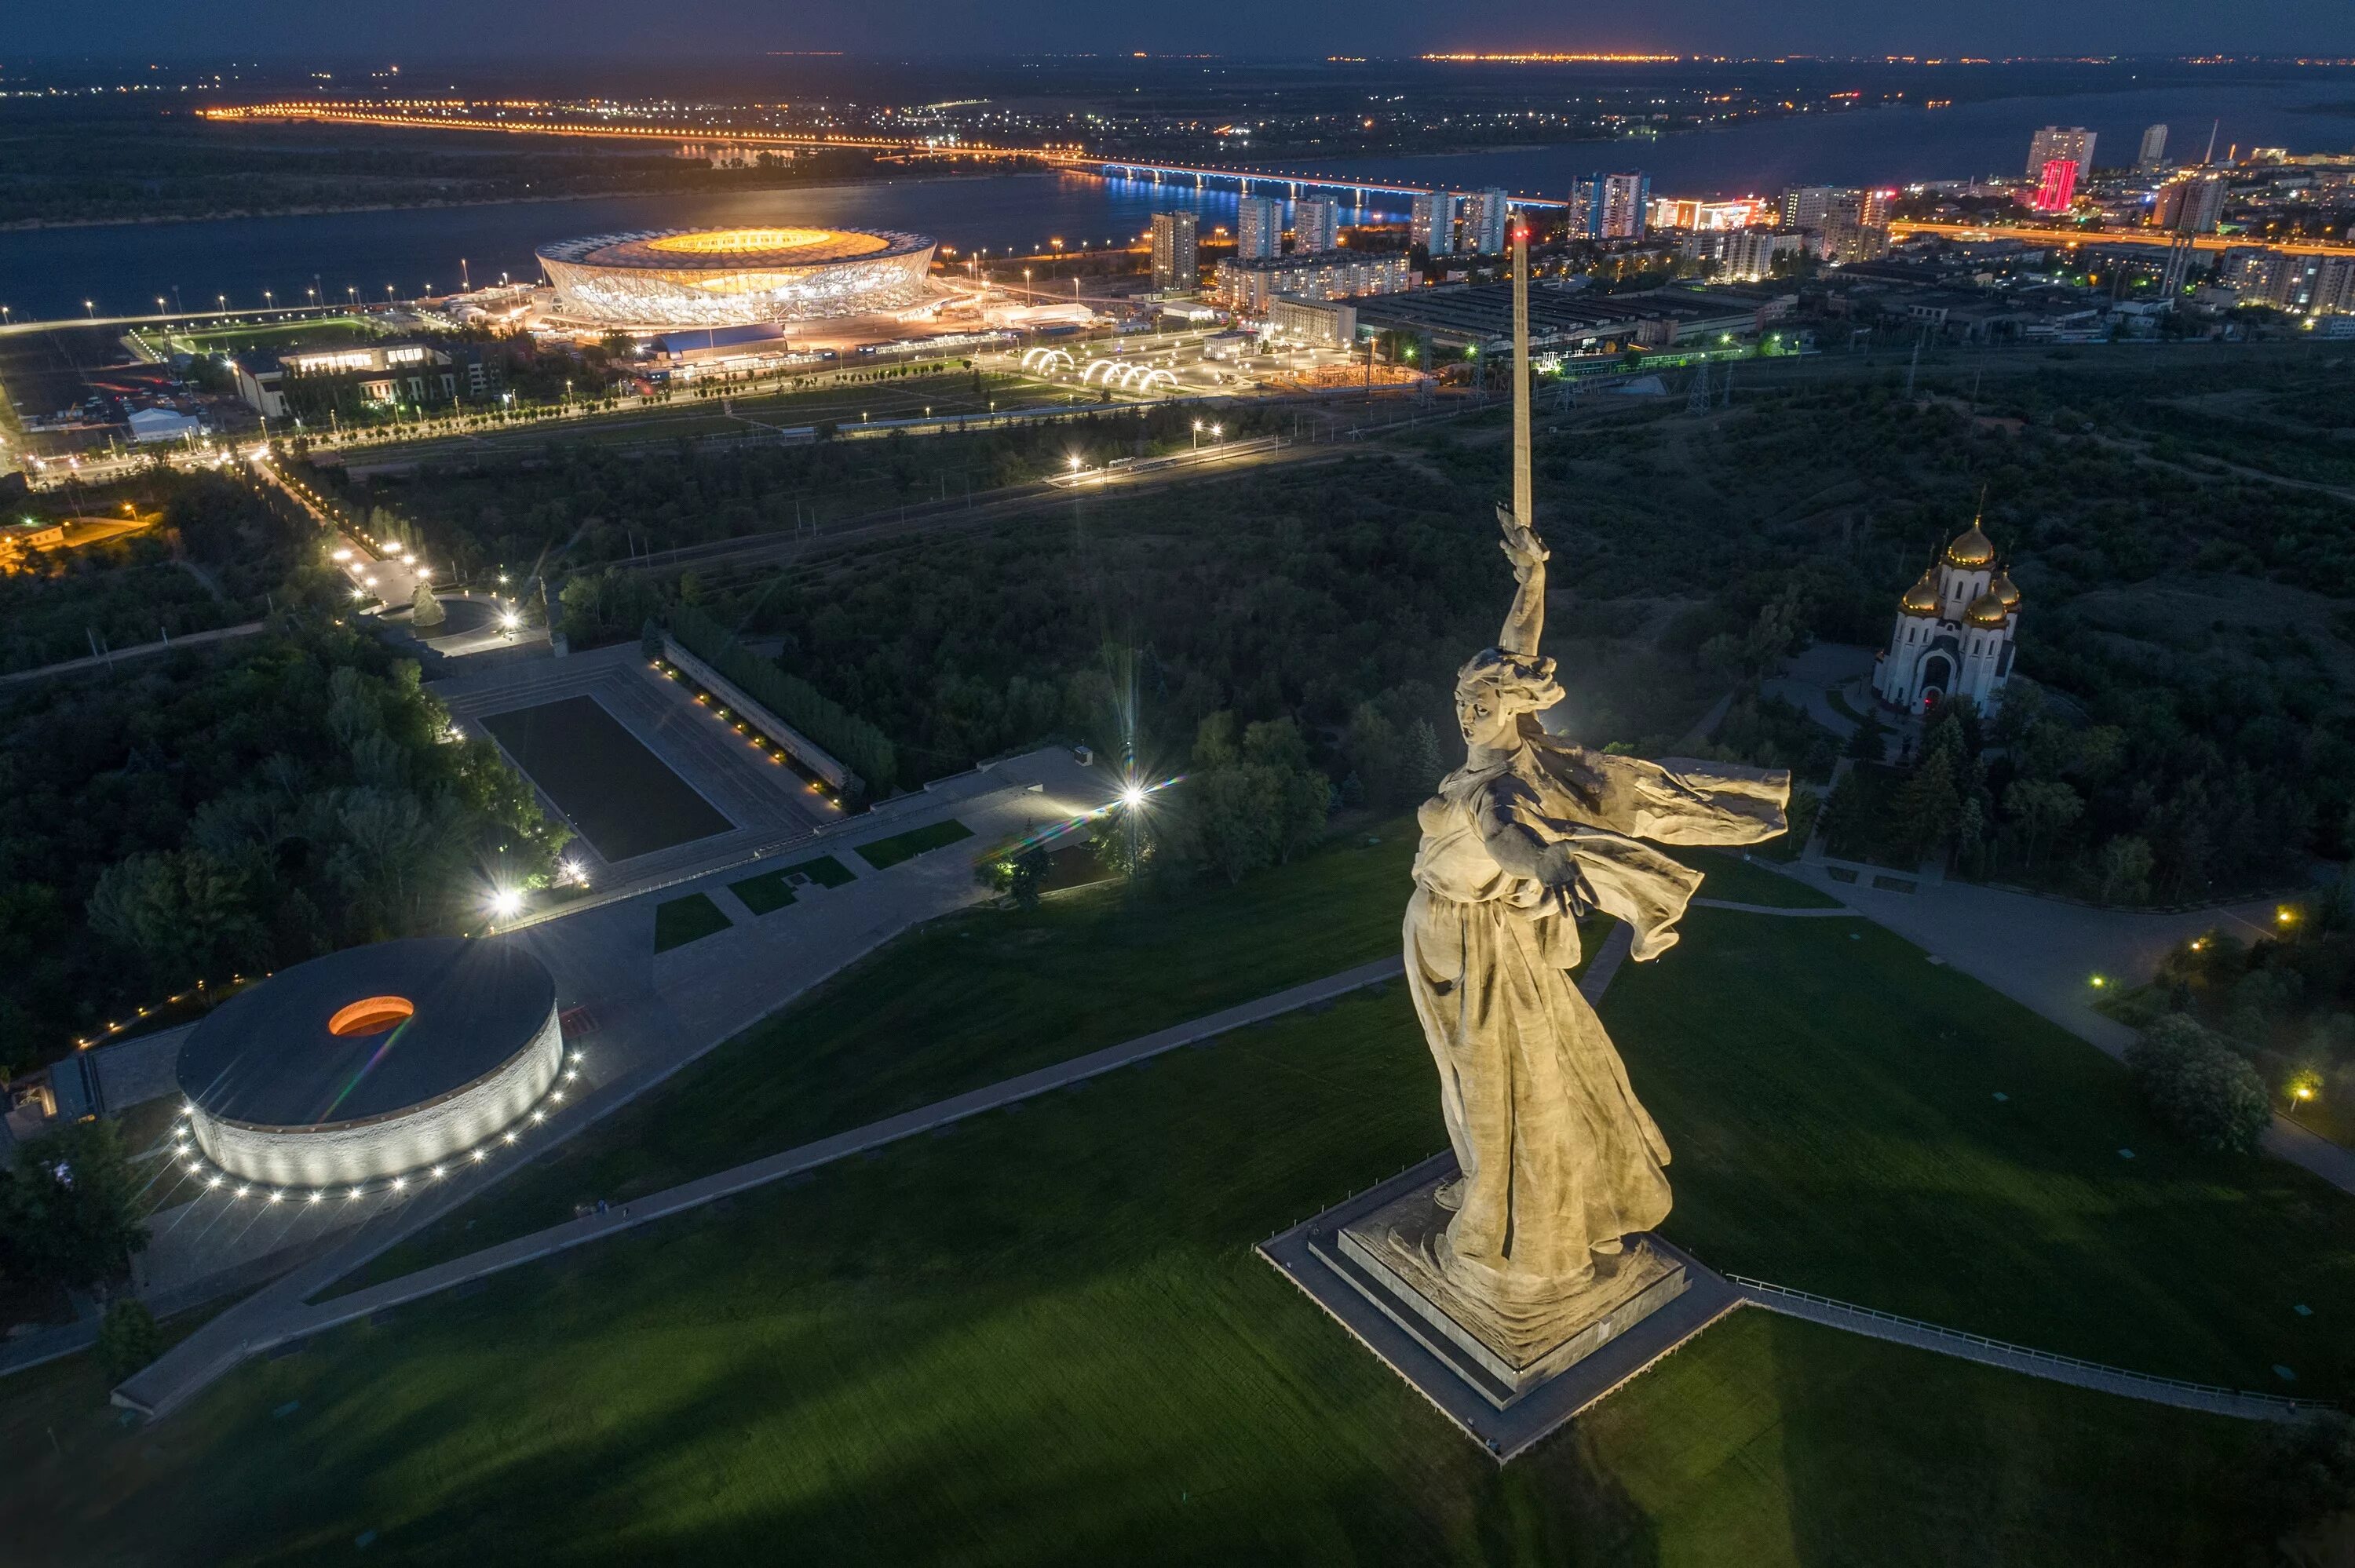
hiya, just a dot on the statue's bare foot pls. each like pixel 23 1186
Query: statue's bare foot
pixel 1449 1195
pixel 1611 1248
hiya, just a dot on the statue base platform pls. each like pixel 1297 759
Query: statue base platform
pixel 1508 1379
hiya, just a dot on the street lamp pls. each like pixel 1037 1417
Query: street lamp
pixel 91 307
pixel 1198 435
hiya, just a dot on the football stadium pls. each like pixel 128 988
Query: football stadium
pixel 733 277
pixel 374 1063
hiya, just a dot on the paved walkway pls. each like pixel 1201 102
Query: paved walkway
pixel 172 1380
pixel 2045 953
pixel 2211 1398
pixel 278 1315
pixel 643 1016
pixel 105 661
pixel 1779 910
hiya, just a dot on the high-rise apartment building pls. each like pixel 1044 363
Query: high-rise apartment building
pixel 2074 143
pixel 2153 155
pixel 1610 206
pixel 1807 207
pixel 1316 226
pixel 1482 231
pixel 2189 203
pixel 1259 227
pixel 2307 285
pixel 1432 225
pixel 2056 186
pixel 1177 258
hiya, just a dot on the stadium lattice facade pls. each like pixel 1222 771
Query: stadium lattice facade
pixel 731 276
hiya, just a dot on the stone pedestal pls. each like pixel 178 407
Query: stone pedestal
pixel 1504 1352
pixel 1507 1378
pixel 1389 1255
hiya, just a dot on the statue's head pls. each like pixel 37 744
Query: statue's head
pixel 1494 689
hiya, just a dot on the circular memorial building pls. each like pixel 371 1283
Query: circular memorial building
pixel 373 1063
pixel 652 279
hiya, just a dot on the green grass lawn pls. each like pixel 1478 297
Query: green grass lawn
pixel 1743 882
pixel 680 921
pixel 1044 1338
pixel 764 893
pixel 774 889
pixel 960 1003
pixel 825 871
pixel 885 853
pixel 1831 1098
pixel 1829 1092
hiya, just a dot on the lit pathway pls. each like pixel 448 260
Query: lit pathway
pixel 2211 1398
pixel 180 1376
pixel 2043 953
pixel 158 1395
pixel 652 1014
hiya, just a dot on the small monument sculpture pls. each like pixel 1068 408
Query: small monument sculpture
pixel 1532 1254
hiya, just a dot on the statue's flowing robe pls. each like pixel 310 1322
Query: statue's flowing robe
pixel 1557 1155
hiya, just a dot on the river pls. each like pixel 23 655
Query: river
pixel 125 268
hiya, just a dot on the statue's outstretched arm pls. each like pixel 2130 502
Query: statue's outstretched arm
pixel 1525 625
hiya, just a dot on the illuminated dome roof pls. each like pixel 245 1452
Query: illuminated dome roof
pixel 2001 588
pixel 1987 611
pixel 1922 598
pixel 1972 549
pixel 372 1062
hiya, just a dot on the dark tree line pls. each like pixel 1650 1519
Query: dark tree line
pixel 195 817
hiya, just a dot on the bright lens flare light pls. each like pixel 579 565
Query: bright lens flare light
pixel 505 902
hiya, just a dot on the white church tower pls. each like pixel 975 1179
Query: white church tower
pixel 1955 630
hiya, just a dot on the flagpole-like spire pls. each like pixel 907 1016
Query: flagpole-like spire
pixel 1522 511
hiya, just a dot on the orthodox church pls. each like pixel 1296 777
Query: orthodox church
pixel 1954 629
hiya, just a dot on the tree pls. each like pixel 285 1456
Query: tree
pixel 1424 765
pixel 1376 753
pixel 1020 877
pixel 2043 807
pixel 2198 1086
pixel 127 1339
pixel 1928 806
pixel 69 1212
pixel 2125 863
pixel 1870 741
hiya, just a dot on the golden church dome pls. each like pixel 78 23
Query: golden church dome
pixel 1987 610
pixel 1971 550
pixel 1922 598
pixel 2001 588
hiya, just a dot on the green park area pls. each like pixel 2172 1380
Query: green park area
pixel 678 921
pixel 1044 1336
pixel 885 853
pixel 773 890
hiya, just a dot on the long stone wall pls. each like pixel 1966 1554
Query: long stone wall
pixel 407 1140
pixel 805 751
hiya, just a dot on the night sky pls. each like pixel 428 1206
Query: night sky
pixel 687 29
